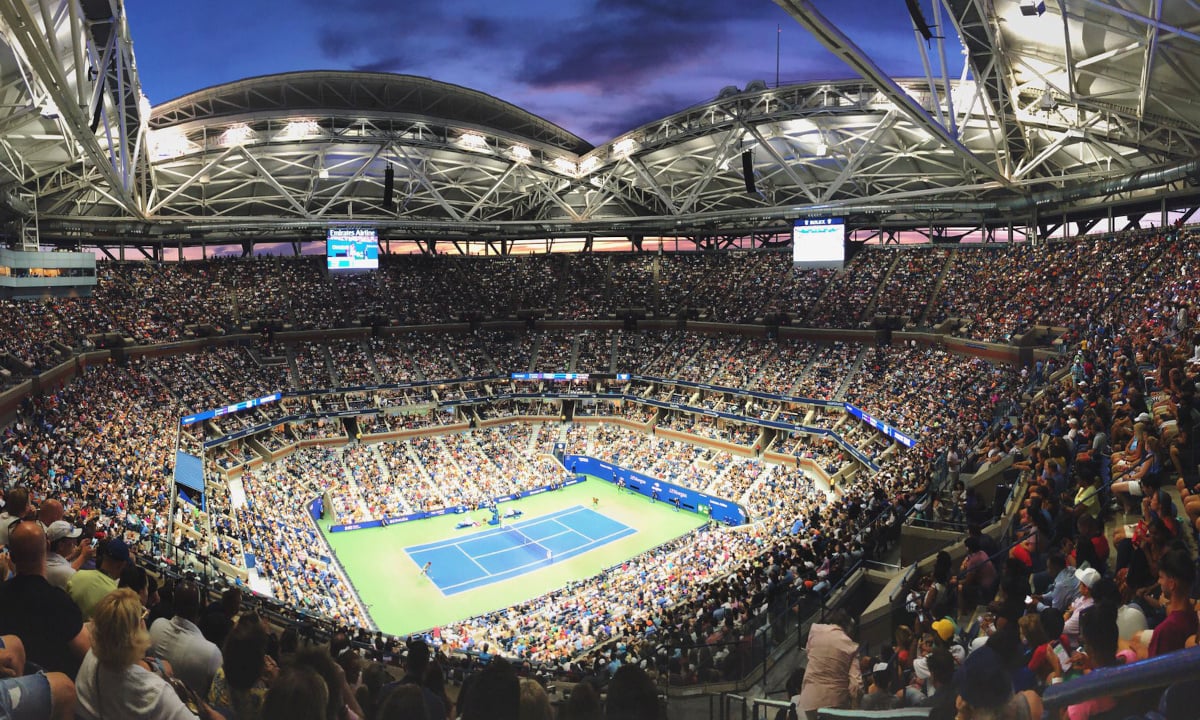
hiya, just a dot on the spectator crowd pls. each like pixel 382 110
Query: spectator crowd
pixel 1106 430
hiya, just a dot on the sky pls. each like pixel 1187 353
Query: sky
pixel 595 67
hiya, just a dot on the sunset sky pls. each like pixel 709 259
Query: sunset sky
pixel 596 67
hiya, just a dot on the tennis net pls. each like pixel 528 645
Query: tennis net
pixel 542 552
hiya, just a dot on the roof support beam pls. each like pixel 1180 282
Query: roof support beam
pixel 1069 57
pixel 856 160
pixel 418 173
pixel 208 167
pixel 553 195
pixel 362 169
pixel 807 15
pixel 1148 59
pixel 491 191
pixel 270 180
pixel 645 176
pixel 993 74
pixel 783 164
pixel 719 159
pixel 34 40
pixel 1154 22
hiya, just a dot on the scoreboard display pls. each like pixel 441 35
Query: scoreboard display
pixel 352 248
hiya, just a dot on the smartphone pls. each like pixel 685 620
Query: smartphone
pixel 94 541
pixel 1064 658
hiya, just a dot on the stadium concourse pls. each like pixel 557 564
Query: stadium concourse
pixel 93 451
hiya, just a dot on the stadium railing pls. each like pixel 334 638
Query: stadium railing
pixel 782 628
pixel 1151 675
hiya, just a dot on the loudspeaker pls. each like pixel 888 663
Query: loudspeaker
pixel 748 171
pixel 918 18
pixel 389 182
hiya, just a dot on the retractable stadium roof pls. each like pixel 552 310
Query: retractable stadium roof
pixel 1087 104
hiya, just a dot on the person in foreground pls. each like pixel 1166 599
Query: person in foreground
pixel 114 681
pixel 985 691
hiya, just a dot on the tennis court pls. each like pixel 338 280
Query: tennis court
pixel 502 553
pixel 400 601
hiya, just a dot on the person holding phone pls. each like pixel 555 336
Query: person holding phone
pixel 1043 662
pixel 1098 629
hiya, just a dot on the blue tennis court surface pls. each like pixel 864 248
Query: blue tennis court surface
pixel 482 558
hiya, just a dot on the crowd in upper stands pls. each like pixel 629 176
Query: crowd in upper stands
pixel 996 291
pixel 93 459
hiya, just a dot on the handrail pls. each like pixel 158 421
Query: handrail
pixel 1156 672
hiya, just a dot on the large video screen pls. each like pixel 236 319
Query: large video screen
pixel 819 242
pixel 352 248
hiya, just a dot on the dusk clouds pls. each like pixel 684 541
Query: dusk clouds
pixel 596 67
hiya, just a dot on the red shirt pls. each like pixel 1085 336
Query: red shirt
pixel 1020 552
pixel 1172 633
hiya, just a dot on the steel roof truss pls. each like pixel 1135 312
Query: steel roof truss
pixel 417 172
pixel 266 176
pixel 856 159
pixel 783 164
pixel 723 145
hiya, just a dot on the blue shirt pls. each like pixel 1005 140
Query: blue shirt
pixel 1064 589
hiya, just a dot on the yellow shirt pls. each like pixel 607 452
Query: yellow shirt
pixel 87 588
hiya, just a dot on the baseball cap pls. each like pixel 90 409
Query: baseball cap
pixel 944 628
pixel 116 549
pixel 1144 417
pixel 1087 576
pixel 60 529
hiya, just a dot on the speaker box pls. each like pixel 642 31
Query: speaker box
pixel 748 171
pixel 389 184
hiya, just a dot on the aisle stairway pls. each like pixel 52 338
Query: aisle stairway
pixel 840 395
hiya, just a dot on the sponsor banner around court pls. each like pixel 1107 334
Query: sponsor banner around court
pixel 719 509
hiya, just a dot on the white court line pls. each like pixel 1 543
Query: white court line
pixel 514 547
pixel 468 556
pixel 493 531
pixel 573 552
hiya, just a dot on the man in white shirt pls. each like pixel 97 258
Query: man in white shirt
pixel 1087 577
pixel 179 641
pixel 62 537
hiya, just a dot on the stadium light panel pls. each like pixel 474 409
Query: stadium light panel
pixel 239 134
pixel 589 164
pixel 624 147
pixel 474 141
pixel 521 153
pixel 301 129
pixel 170 143
pixel 564 165
pixel 144 109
